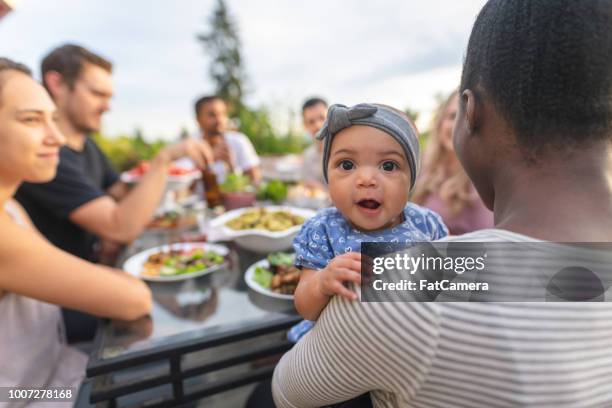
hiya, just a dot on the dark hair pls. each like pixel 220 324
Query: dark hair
pixel 7 64
pixel 204 100
pixel 547 68
pixel 10 65
pixel 310 102
pixel 69 59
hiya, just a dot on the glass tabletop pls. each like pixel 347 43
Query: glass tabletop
pixel 209 305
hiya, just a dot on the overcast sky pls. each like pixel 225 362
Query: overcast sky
pixel 399 52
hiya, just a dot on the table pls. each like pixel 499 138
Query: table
pixel 204 336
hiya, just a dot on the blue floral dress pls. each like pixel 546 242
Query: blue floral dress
pixel 328 234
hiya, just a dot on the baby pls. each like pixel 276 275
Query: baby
pixel 370 162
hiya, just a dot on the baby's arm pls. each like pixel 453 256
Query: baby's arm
pixel 309 300
pixel 316 287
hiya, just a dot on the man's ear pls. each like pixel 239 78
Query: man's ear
pixel 54 82
pixel 473 110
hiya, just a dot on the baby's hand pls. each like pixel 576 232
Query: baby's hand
pixel 343 268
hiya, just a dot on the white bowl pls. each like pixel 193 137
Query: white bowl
pixel 258 240
pixel 133 265
pixel 248 278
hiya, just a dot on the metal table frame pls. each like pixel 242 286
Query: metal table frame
pixel 101 389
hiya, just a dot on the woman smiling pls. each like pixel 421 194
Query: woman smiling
pixel 36 277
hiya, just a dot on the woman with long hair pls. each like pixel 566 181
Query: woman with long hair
pixel 443 186
pixel 534 134
pixel 36 277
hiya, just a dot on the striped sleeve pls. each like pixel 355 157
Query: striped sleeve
pixel 459 354
pixel 355 348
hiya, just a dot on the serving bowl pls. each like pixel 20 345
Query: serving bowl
pixel 259 240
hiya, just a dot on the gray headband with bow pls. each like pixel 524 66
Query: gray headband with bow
pixel 340 117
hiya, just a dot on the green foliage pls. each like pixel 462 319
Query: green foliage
pixel 424 138
pixel 222 44
pixel 255 123
pixel 412 114
pixel 126 151
pixel 227 70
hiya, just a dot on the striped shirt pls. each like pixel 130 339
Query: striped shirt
pixel 453 354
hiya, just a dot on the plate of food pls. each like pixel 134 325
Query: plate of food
pixel 175 262
pixel 178 176
pixel 172 219
pixel 275 276
pixel 262 229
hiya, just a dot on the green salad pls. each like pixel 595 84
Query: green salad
pixel 263 277
pixel 179 262
pixel 236 183
pixel 281 276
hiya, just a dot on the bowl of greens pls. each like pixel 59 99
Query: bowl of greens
pixel 237 192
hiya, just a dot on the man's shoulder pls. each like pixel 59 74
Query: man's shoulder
pixel 90 143
pixel 91 147
pixel 243 147
pixel 236 137
pixel 90 150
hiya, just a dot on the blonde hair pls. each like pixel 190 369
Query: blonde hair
pixel 452 185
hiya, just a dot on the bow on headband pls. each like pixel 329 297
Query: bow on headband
pixel 340 117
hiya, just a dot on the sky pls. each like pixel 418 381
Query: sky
pixel 403 53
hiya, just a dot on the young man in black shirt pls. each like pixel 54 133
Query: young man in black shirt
pixel 86 201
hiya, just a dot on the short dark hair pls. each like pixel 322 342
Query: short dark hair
pixel 204 100
pixel 547 68
pixel 10 65
pixel 69 59
pixel 310 102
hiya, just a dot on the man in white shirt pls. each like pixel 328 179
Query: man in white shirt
pixel 233 151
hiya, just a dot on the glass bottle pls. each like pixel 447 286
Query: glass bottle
pixel 212 193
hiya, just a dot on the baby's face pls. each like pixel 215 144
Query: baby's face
pixel 369 177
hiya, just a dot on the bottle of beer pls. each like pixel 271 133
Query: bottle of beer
pixel 212 193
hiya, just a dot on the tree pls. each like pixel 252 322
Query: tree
pixel 223 44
